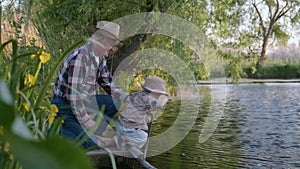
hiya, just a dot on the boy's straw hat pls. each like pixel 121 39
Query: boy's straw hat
pixel 156 85
pixel 108 29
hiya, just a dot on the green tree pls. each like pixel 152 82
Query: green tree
pixel 224 22
pixel 61 23
pixel 251 24
pixel 272 26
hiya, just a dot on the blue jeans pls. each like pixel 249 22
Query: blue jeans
pixel 72 129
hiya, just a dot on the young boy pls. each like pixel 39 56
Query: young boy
pixel 132 125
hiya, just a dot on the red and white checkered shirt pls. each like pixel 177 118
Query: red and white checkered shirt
pixel 78 78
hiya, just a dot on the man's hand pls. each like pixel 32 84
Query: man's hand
pixel 89 124
pixel 115 94
pixel 119 94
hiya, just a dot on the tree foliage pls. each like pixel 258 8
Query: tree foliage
pixel 241 24
pixel 273 25
pixel 62 23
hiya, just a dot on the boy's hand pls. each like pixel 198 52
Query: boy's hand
pixel 115 95
pixel 169 98
pixel 89 124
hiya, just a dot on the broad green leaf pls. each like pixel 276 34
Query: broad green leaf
pixel 19 128
pixel 49 154
pixel 5 95
pixel 6 108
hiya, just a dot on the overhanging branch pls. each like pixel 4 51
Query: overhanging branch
pixel 260 19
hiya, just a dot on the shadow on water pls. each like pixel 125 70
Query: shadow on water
pixel 259 128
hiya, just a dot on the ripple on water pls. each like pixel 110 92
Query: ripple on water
pixel 260 128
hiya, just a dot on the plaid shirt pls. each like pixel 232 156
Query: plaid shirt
pixel 78 79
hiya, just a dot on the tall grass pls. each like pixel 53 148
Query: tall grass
pixel 24 108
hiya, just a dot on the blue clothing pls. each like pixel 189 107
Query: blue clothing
pixel 72 129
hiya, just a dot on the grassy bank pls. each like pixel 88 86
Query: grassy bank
pixel 246 80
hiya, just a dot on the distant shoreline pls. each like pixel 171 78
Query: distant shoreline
pixel 243 81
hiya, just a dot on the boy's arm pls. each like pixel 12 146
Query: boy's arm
pixel 159 105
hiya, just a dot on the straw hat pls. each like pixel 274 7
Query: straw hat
pixel 155 84
pixel 108 29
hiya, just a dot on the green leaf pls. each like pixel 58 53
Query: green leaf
pixel 5 96
pixel 20 128
pixel 270 2
pixel 282 36
pixel 49 154
pixel 6 109
pixel 55 127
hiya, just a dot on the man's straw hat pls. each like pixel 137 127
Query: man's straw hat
pixel 156 85
pixel 108 29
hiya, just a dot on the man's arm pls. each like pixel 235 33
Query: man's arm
pixel 76 98
pixel 105 81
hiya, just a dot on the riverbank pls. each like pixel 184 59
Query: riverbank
pixel 244 80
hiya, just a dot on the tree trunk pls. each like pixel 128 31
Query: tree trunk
pixel 265 44
pixel 262 58
pixel 133 44
pixel 138 41
pixel 127 49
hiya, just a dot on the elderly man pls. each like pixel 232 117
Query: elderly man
pixel 76 86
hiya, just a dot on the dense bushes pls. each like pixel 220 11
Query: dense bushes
pixel 276 71
pixel 239 66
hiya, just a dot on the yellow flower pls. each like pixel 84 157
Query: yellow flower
pixel 11 157
pixel 51 118
pixel 27 107
pixel 30 79
pixel 45 57
pixel 54 109
pixel 33 56
pixel 52 115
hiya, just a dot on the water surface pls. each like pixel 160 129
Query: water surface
pixel 259 128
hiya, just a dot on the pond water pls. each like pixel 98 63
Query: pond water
pixel 259 127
